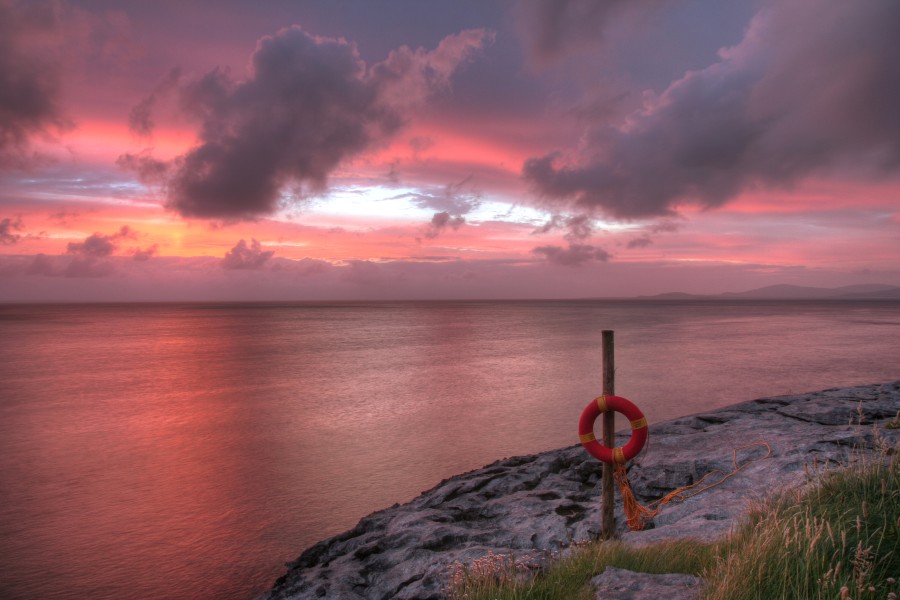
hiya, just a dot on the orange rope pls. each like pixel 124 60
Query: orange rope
pixel 638 516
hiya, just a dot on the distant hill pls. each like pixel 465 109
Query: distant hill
pixel 867 291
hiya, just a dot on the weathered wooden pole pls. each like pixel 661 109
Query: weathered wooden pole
pixel 608 520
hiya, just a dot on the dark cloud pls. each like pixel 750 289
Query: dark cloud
pixel 452 202
pixel 575 255
pixel 148 169
pixel 578 227
pixel 8 227
pixel 40 265
pixel 304 267
pixel 140 119
pixel 144 254
pixel 797 97
pixel 88 266
pixel 244 256
pixel 665 226
pixel 65 217
pixel 308 104
pixel 98 245
pixel 30 78
pixel 641 242
pixel 78 266
pixel 10 267
pixel 455 198
pixel 441 221
pixel 87 261
pixel 555 222
pixel 553 27
pixel 364 272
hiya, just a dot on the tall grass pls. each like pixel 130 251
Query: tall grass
pixel 839 540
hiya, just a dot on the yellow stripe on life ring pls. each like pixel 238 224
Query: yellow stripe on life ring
pixel 601 403
pixel 638 423
pixel 586 438
pixel 618 456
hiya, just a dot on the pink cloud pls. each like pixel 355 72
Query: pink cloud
pixel 244 256
pixel 98 245
pixel 145 253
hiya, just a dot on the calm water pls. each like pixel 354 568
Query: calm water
pixel 161 451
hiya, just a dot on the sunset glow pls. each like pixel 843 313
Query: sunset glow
pixel 322 150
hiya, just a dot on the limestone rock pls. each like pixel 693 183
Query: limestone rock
pixel 620 584
pixel 532 505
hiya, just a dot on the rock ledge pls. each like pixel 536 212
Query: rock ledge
pixel 543 502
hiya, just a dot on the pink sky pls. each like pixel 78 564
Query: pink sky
pixel 358 150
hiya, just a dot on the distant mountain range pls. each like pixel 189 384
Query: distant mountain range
pixel 866 291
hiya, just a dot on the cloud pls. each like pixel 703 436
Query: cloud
pixel 575 255
pixel 88 254
pixel 641 242
pixel 795 98
pixel 665 226
pixel 408 76
pixel 140 119
pixel 98 245
pixel 243 256
pixel 364 273
pixel 30 79
pixel 7 228
pixel 555 222
pixel 144 254
pixel 88 267
pixel 308 104
pixel 451 202
pixel 78 266
pixel 148 169
pixel 442 220
pixel 40 265
pixel 579 227
pixel 455 198
pixel 65 217
pixel 555 27
pixel 303 267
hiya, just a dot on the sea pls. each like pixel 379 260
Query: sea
pixel 190 450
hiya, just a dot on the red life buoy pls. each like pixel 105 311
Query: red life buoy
pixel 639 429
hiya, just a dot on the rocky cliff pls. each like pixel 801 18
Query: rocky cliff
pixel 543 502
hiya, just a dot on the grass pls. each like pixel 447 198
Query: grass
pixel 550 576
pixel 837 540
pixel 894 423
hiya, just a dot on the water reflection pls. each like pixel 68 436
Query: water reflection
pixel 161 451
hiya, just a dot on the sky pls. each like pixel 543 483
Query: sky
pixel 408 149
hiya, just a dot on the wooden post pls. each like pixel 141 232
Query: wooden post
pixel 608 521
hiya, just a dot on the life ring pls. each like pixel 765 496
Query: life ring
pixel 639 429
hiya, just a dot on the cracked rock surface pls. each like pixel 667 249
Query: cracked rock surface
pixel 543 502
